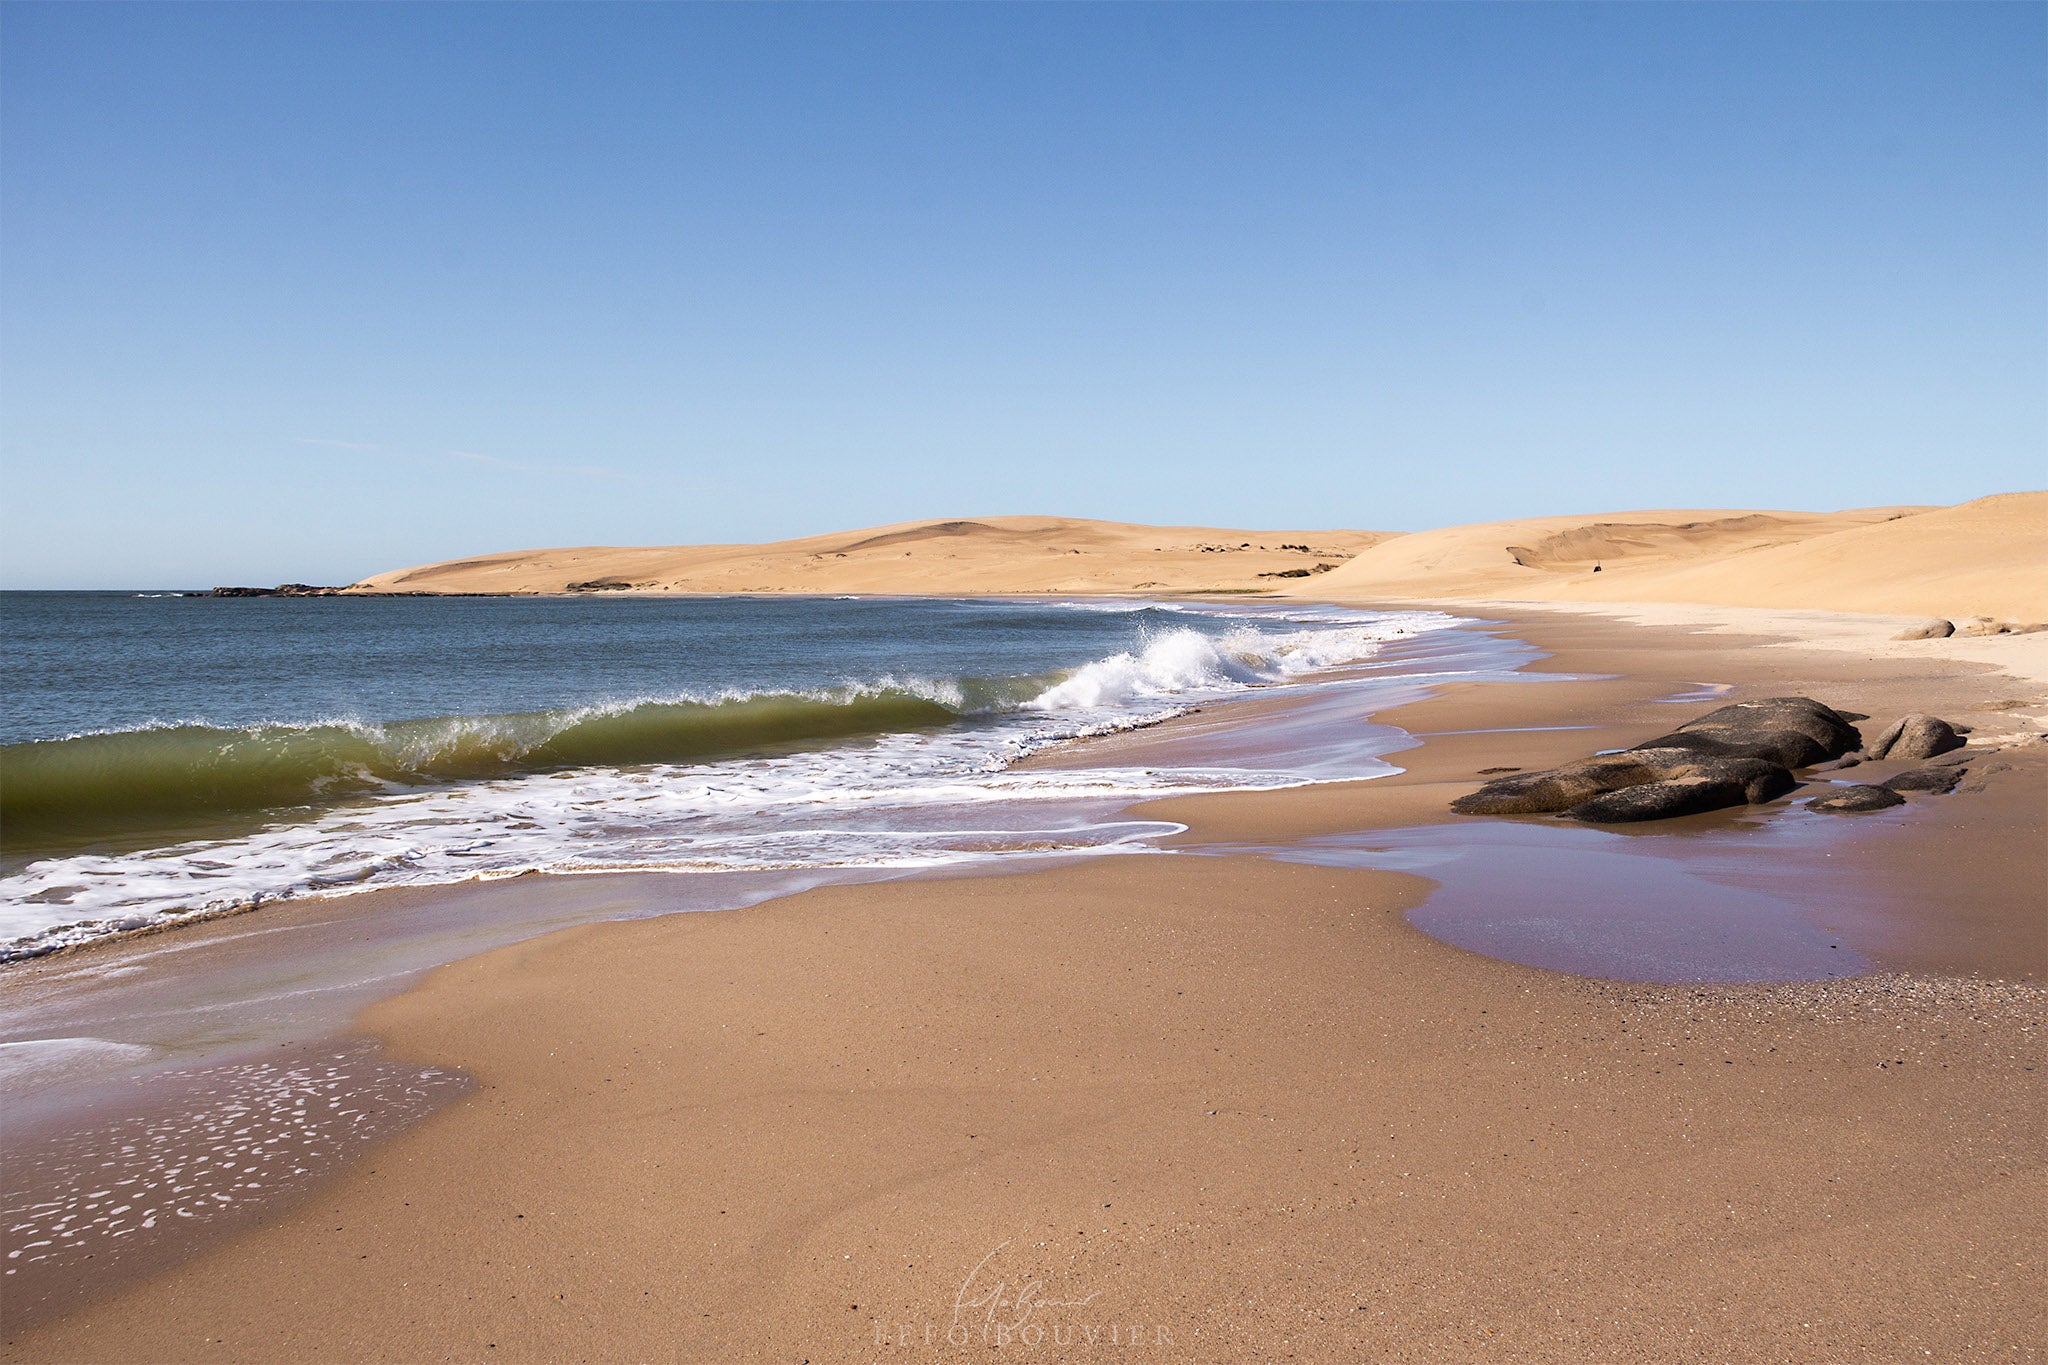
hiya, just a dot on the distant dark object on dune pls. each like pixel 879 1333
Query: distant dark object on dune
pixel 1298 573
pixel 1936 629
pixel 1984 625
pixel 599 585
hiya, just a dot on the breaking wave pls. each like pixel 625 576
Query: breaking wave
pixel 115 830
pixel 83 783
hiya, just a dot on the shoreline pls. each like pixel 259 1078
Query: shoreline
pixel 1149 901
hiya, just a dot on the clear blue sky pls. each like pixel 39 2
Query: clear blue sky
pixel 305 292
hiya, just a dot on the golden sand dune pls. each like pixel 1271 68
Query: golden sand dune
pixel 983 555
pixel 1983 558
pixel 1988 557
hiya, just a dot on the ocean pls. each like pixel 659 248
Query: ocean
pixel 164 756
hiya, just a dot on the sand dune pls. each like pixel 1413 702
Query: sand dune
pixel 1988 557
pixel 1984 558
pixel 983 555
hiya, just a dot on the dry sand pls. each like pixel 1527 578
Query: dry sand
pixel 1208 1108
pixel 1983 558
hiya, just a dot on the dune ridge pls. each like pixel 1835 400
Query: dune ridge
pixel 971 556
pixel 1985 558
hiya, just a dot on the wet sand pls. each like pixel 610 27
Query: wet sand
pixel 1226 1106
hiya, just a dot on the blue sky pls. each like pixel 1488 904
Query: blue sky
pixel 305 292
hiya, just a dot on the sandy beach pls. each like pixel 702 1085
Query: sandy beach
pixel 1229 1102
pixel 1073 683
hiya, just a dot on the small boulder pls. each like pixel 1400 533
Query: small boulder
pixel 1936 629
pixel 1915 737
pixel 1854 800
pixel 1938 780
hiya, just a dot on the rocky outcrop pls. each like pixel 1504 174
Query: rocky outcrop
pixel 1737 754
pixel 1914 737
pixel 281 590
pixel 1855 800
pixel 599 585
pixel 1745 753
pixel 1564 789
pixel 1936 629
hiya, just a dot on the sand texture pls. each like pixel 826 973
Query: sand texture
pixel 1219 1107
pixel 1983 558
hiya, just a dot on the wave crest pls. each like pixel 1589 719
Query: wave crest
pixel 193 770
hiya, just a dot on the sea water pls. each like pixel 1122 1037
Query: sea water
pixel 162 756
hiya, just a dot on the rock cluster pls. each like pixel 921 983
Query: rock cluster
pixel 1739 754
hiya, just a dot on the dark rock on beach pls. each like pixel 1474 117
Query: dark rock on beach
pixel 1567 788
pixel 1940 780
pixel 1795 732
pixel 1737 754
pixel 1915 737
pixel 1855 800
